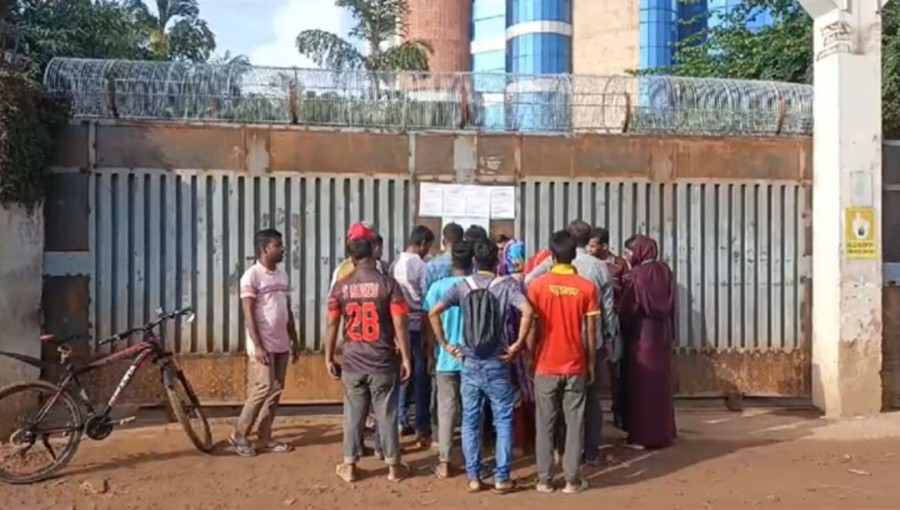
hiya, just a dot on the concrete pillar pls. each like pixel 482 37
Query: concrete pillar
pixel 847 266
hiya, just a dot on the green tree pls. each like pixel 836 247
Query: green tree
pixel 176 32
pixel 780 51
pixel 34 31
pixel 377 23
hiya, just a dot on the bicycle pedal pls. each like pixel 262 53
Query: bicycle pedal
pixel 126 421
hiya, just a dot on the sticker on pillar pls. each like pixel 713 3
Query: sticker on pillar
pixel 860 233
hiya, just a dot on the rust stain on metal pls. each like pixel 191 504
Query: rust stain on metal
pixel 621 156
pixel 66 213
pixel 497 155
pixel 890 371
pixel 434 155
pixel 221 379
pixel 547 156
pixel 65 305
pixel 764 374
pixel 170 146
pixel 72 146
pixel 338 152
pixel 773 158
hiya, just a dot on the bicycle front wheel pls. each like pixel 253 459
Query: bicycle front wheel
pixel 186 408
pixel 40 430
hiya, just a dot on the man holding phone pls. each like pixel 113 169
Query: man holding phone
pixel 375 316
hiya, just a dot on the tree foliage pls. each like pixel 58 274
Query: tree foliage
pixel 779 51
pixel 377 23
pixel 34 31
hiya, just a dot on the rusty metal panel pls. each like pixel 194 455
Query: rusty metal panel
pixel 734 248
pixel 170 146
pixel 71 146
pixel 182 238
pixel 66 212
pixel 338 152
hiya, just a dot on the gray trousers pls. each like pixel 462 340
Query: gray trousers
pixel 593 413
pixel 448 411
pixel 265 384
pixel 559 397
pixel 381 391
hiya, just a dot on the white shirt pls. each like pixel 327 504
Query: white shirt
pixel 409 271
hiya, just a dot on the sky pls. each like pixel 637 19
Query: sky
pixel 265 30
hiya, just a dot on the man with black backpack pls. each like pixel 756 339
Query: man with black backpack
pixel 484 299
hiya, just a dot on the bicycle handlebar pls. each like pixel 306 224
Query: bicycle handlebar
pixel 148 326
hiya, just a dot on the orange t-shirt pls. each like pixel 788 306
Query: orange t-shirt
pixel 562 300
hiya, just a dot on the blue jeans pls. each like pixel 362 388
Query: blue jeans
pixel 487 379
pixel 421 382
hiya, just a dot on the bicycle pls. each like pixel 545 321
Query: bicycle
pixel 78 414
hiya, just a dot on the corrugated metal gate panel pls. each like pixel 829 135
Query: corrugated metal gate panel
pixel 736 249
pixel 173 239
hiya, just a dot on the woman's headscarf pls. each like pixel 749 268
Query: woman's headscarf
pixel 512 258
pixel 650 280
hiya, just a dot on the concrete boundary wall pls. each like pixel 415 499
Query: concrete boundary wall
pixel 149 214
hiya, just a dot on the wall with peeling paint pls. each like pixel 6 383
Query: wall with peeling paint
pixel 21 272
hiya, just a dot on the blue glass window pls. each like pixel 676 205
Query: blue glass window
pixel 489 62
pixel 488 28
pixel 523 11
pixel 659 32
pixel 539 53
pixel 488 9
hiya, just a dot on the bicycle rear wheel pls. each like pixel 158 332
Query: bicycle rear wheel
pixel 40 430
pixel 186 408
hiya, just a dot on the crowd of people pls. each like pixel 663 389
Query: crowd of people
pixel 482 339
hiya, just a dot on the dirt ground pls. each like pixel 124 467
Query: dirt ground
pixel 757 458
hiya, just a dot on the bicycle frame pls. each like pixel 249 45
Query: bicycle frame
pixel 141 351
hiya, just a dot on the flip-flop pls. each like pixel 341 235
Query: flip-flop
pixel 544 488
pixel 241 448
pixel 278 447
pixel 345 472
pixel 474 486
pixel 504 487
pixel 437 471
pixel 576 489
pixel 403 472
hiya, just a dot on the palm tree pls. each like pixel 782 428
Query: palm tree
pixel 378 23
pixel 227 59
pixel 176 32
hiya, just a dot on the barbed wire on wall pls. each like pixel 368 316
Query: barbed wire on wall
pixel 483 102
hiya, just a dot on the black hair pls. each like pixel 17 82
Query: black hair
pixel 562 246
pixel 461 256
pixel 630 242
pixel 379 240
pixel 501 238
pixel 600 234
pixel 475 233
pixel 262 239
pixel 486 254
pixel 360 249
pixel 453 233
pixel 581 232
pixel 420 235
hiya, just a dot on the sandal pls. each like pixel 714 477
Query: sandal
pixel 278 447
pixel 474 486
pixel 575 488
pixel 545 488
pixel 504 487
pixel 397 472
pixel 241 447
pixel 346 472
pixel 442 470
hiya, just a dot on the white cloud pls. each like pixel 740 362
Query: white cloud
pixel 289 20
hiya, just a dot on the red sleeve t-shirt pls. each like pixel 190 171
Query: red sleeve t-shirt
pixel 562 300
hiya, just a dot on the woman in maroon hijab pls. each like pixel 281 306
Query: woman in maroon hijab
pixel 647 312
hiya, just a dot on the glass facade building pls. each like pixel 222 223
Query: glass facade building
pixel 489 62
pixel 717 9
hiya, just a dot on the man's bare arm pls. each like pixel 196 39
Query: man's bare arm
pixel 248 304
